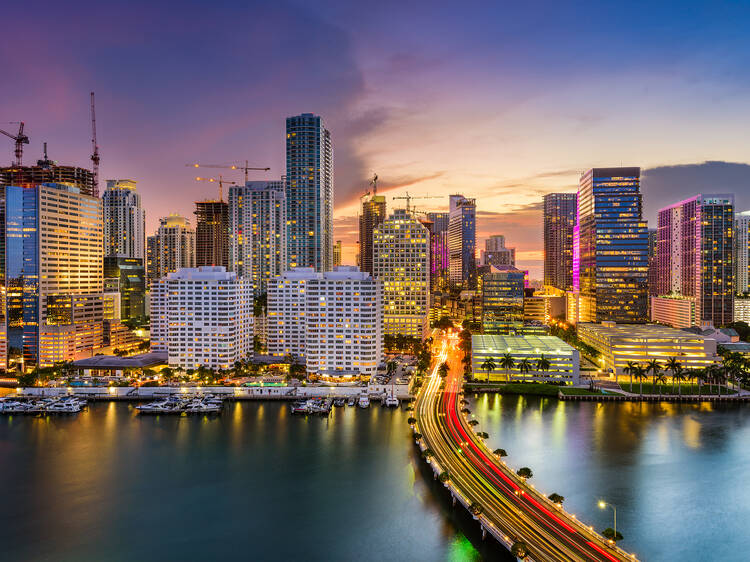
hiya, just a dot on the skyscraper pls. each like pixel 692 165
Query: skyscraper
pixel 652 266
pixel 610 253
pixel 337 253
pixel 257 228
pixel 439 255
pixel 462 242
pixel 172 247
pixel 212 233
pixel 402 263
pixel 559 220
pixel 130 277
pixel 51 259
pixel 495 253
pixel 372 215
pixel 694 255
pixel 309 193
pixel 124 221
pixel 502 300
pixel 742 252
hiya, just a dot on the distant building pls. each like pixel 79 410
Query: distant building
pixel 559 220
pixel 172 247
pixel 653 269
pixel 202 317
pixel 439 253
pixel 130 275
pixel 462 242
pixel 337 253
pixel 742 252
pixel 502 300
pixel 124 220
pixel 610 247
pixel 742 309
pixel 257 226
pixel 212 233
pixel 564 360
pixel 401 263
pixel 675 311
pixel 694 255
pixel 620 343
pixel 495 253
pixel 309 193
pixel 371 216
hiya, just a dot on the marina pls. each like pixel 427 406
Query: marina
pixel 179 405
pixel 66 405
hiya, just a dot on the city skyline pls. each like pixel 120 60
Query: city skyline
pixel 379 100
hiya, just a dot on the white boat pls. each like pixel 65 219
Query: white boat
pixel 390 400
pixel 352 401
pixel 364 401
pixel 62 408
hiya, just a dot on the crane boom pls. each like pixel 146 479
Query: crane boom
pixel 20 139
pixel 409 198
pixel 245 168
pixel 221 181
pixel 94 147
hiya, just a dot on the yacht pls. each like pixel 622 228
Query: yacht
pixel 63 408
pixel 364 401
pixel 352 401
pixel 390 400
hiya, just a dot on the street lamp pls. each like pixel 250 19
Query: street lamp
pixel 602 505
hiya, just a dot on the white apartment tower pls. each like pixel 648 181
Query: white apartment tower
pixel 202 317
pixel 741 252
pixel 124 220
pixel 401 261
pixel 172 247
pixel 333 320
pixel 257 227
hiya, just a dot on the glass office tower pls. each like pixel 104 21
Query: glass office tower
pixel 309 193
pixel 610 257
pixel 462 242
pixel 559 220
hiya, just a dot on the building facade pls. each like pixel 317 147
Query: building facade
pixel 257 218
pixel 502 300
pixel 202 317
pixel 462 242
pixel 694 255
pixel 211 233
pixel 401 262
pixel 439 253
pixel 309 193
pixel 130 277
pixel 124 220
pixel 495 253
pixel 610 247
pixel 675 311
pixel 742 252
pixel 372 215
pixel 286 316
pixel 48 171
pixel 559 221
pixel 337 253
pixel 172 247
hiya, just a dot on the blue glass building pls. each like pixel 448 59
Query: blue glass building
pixel 462 240
pixel 309 193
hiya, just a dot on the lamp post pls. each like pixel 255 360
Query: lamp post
pixel 602 505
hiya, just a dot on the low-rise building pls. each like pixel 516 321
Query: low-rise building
pixel 674 310
pixel 619 344
pixel 564 360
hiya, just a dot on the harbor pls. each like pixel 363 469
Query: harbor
pixel 42 406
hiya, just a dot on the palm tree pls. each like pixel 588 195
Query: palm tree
pixel 661 378
pixel 524 366
pixel 488 365
pixel 543 364
pixel 390 368
pixel 507 362
pixel 524 472
pixel 520 550
pixel 672 365
pixel 443 369
pixel 678 374
pixel 640 374
pixel 556 498
pixel 629 369
pixel 654 367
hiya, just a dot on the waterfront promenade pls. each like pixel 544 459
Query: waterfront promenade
pixel 509 508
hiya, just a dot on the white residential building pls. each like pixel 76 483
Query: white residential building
pixel 332 320
pixel 202 316
pixel 124 220
pixel 401 261
pixel 257 227
pixel 172 247
pixel 741 252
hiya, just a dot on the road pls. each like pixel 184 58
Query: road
pixel 510 506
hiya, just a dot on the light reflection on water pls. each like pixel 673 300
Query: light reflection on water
pixel 674 471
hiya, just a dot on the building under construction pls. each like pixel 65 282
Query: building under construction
pixel 49 171
pixel 373 215
pixel 212 233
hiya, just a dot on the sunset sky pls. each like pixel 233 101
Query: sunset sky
pixel 503 101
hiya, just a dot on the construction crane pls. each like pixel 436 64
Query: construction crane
pixel 221 181
pixel 244 168
pixel 374 184
pixel 20 139
pixel 410 197
pixel 95 147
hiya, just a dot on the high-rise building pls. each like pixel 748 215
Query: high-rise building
pixel 372 215
pixel 202 317
pixel 49 171
pixel 694 255
pixel 610 247
pixel 257 227
pixel 495 253
pixel 309 193
pixel 337 253
pixel 462 242
pixel 212 233
pixel 172 247
pixel 401 260
pixel 287 312
pixel 124 220
pixel 652 266
pixel 130 277
pixel 742 252
pixel 559 220
pixel 502 300
pixel 52 256
pixel 439 255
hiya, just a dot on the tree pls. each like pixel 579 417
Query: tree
pixel 661 378
pixel 520 550
pixel 653 367
pixel 610 534
pixel 507 362
pixel 640 374
pixel 411 421
pixel 390 368
pixel 444 477
pixel 672 365
pixel 556 498
pixel 444 323
pixel 475 509
pixel 524 472
pixel 678 374
pixel 543 364
pixel 483 434
pixel 500 452
pixel 443 369
pixel 524 366
pixel 488 365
